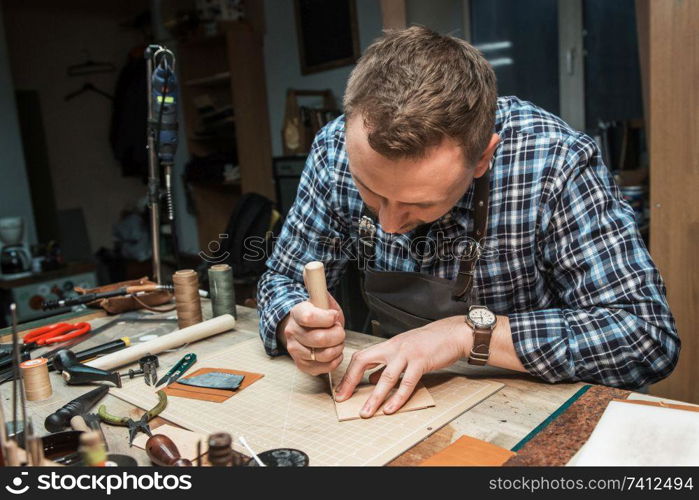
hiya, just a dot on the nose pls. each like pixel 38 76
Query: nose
pixel 392 216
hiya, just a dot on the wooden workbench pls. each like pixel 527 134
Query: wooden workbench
pixel 503 419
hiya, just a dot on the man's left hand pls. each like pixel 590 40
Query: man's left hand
pixel 410 354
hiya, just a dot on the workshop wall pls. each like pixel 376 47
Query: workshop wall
pixel 43 39
pixel 14 188
pixel 282 59
pixel 443 16
pixel 282 56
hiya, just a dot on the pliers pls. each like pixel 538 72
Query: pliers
pixel 135 425
pixel 53 334
pixel 45 335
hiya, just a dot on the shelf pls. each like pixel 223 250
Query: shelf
pixel 211 138
pixel 203 41
pixel 222 74
pixel 225 183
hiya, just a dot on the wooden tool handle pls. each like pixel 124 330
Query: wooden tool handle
pixel 78 424
pixel 163 451
pixel 178 338
pixel 142 288
pixel 314 277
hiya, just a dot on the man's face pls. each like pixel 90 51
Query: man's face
pixel 406 193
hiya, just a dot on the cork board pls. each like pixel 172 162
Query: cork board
pixel 287 408
pixel 560 440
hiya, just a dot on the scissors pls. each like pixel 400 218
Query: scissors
pixel 178 369
pixel 58 332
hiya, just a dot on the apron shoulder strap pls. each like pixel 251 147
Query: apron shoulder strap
pixel 464 278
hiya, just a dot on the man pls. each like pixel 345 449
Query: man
pixel 560 285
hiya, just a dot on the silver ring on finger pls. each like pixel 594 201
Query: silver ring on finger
pixel 313 354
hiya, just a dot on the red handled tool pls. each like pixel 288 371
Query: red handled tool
pixel 56 333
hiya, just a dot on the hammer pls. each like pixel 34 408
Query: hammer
pixel 61 418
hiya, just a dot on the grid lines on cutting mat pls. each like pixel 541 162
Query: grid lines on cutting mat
pixel 287 408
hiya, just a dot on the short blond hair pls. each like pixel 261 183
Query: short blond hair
pixel 413 87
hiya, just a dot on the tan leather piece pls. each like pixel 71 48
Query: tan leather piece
pixel 207 394
pixel 349 409
pixel 469 451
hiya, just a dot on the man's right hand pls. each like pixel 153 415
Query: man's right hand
pixel 308 327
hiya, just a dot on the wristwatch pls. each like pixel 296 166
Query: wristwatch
pixel 482 321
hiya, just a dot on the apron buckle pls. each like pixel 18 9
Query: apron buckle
pixel 367 230
pixel 366 227
pixel 464 277
pixel 472 252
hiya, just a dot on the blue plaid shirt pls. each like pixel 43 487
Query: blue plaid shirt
pixel 564 259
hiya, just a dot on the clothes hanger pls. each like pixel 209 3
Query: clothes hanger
pixel 88 87
pixel 90 67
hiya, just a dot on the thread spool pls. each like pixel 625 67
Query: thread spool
pixel 221 450
pixel 37 385
pixel 222 290
pixel 187 299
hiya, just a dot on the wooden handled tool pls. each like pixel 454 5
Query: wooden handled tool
pixel 89 422
pixel 61 418
pixel 78 424
pixel 314 278
pixel 86 298
pixel 163 452
pixel 177 338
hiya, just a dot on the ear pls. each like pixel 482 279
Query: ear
pixel 484 161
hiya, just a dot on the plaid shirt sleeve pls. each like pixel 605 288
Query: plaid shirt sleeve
pixel 310 232
pixel 614 325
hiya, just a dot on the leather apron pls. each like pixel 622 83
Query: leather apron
pixel 402 300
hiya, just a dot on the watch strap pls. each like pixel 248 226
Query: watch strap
pixel 480 351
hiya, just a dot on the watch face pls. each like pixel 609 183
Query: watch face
pixel 481 317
